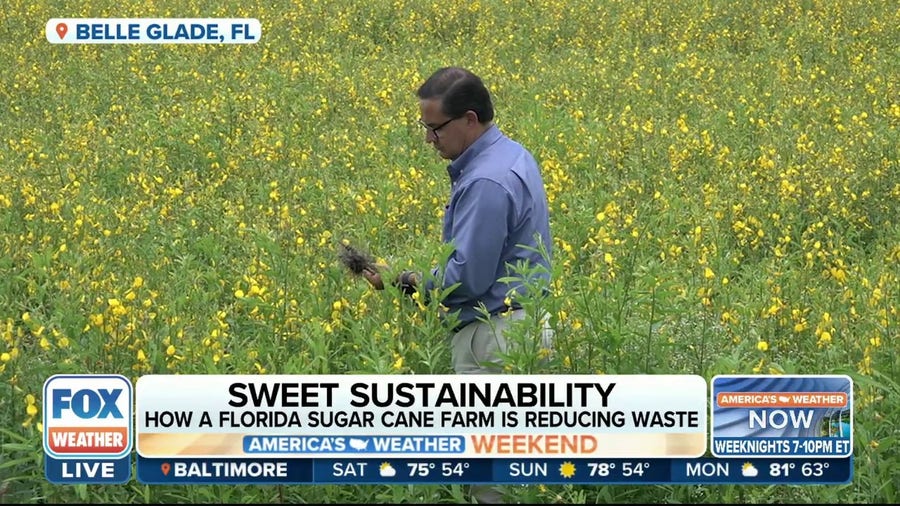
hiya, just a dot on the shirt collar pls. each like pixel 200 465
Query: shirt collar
pixel 456 167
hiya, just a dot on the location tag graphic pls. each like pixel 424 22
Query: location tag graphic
pixel 165 467
pixel 61 30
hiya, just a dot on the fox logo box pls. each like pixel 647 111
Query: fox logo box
pixel 87 416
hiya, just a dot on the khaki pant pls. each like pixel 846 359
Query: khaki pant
pixel 478 347
pixel 474 350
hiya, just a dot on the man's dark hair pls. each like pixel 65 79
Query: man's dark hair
pixel 459 91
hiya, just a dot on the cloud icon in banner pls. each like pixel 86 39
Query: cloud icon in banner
pixel 749 470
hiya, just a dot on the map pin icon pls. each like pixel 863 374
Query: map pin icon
pixel 165 467
pixel 61 30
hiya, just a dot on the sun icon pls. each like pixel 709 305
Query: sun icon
pixel 384 466
pixel 567 469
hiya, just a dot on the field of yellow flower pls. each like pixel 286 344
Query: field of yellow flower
pixel 723 180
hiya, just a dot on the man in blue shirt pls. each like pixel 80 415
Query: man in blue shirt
pixel 497 205
pixel 497 218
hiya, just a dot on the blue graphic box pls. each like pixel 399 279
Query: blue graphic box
pixel 782 416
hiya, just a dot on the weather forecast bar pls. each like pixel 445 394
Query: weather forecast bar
pixel 397 471
pixel 520 429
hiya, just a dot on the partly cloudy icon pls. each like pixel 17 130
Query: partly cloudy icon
pixel 358 444
pixel 387 470
pixel 749 470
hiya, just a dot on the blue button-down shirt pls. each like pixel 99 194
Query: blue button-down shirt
pixel 497 204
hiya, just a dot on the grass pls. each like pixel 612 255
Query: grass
pixel 723 185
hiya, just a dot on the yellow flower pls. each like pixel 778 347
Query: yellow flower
pixel 30 408
pixel 762 346
pixel 758 367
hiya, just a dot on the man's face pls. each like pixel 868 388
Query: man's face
pixel 447 135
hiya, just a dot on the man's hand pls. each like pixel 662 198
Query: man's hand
pixel 407 282
pixel 374 278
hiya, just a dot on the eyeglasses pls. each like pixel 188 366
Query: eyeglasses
pixel 434 130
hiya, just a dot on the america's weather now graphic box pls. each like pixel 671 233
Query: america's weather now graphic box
pixel 88 428
pixel 782 416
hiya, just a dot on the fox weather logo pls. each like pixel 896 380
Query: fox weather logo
pixel 87 416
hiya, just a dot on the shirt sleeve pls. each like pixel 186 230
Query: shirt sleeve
pixel 478 233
